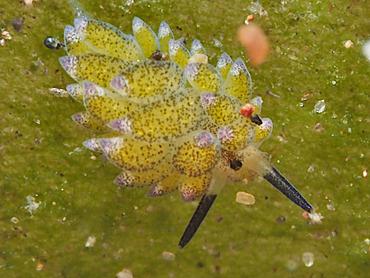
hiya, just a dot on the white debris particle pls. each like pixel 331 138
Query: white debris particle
pixel 217 43
pixel 28 2
pixel 256 8
pixel 281 139
pixel 39 266
pixel 308 259
pixel 124 273
pixel 168 256
pixel 319 106
pixel 330 206
pixel 318 127
pixel 364 173
pixel 366 49
pixel 291 265
pixel 367 241
pixel 245 198
pixel 129 2
pixel 90 242
pixel 32 205
pixel 58 92
pixel 14 220
pixel 348 44
pixel 315 218
pixel 311 168
pixel 6 35
pixel 2 42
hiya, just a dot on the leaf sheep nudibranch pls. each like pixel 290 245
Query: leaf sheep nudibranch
pixel 167 120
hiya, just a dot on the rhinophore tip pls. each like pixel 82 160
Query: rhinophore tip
pixel 284 186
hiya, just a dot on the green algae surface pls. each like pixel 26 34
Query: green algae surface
pixel 55 194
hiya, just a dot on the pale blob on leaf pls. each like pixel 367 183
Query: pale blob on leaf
pixel 255 42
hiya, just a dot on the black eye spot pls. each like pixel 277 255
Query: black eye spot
pixel 256 119
pixel 157 56
pixel 53 43
pixel 235 164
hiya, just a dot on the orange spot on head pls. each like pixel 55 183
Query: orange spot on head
pixel 247 110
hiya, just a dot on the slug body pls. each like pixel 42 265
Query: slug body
pixel 166 117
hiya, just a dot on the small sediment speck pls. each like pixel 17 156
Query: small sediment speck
pixel 17 24
pixel 348 44
pixel 291 265
pixel 366 49
pixel 311 168
pixel 364 173
pixel 245 198
pixel 330 206
pixel 39 266
pixel 90 242
pixel 32 205
pixel 318 128
pixel 308 259
pixel 14 220
pixel 125 273
pixel 319 106
pixel 314 217
pixel 281 219
pixel 28 2
pixel 168 256
pixel 6 35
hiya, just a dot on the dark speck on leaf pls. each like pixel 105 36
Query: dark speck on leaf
pixel 219 219
pixel 17 24
pixel 281 219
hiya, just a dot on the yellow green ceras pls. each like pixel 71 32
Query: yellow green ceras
pixel 166 119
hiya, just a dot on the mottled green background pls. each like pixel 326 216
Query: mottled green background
pixel 38 142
